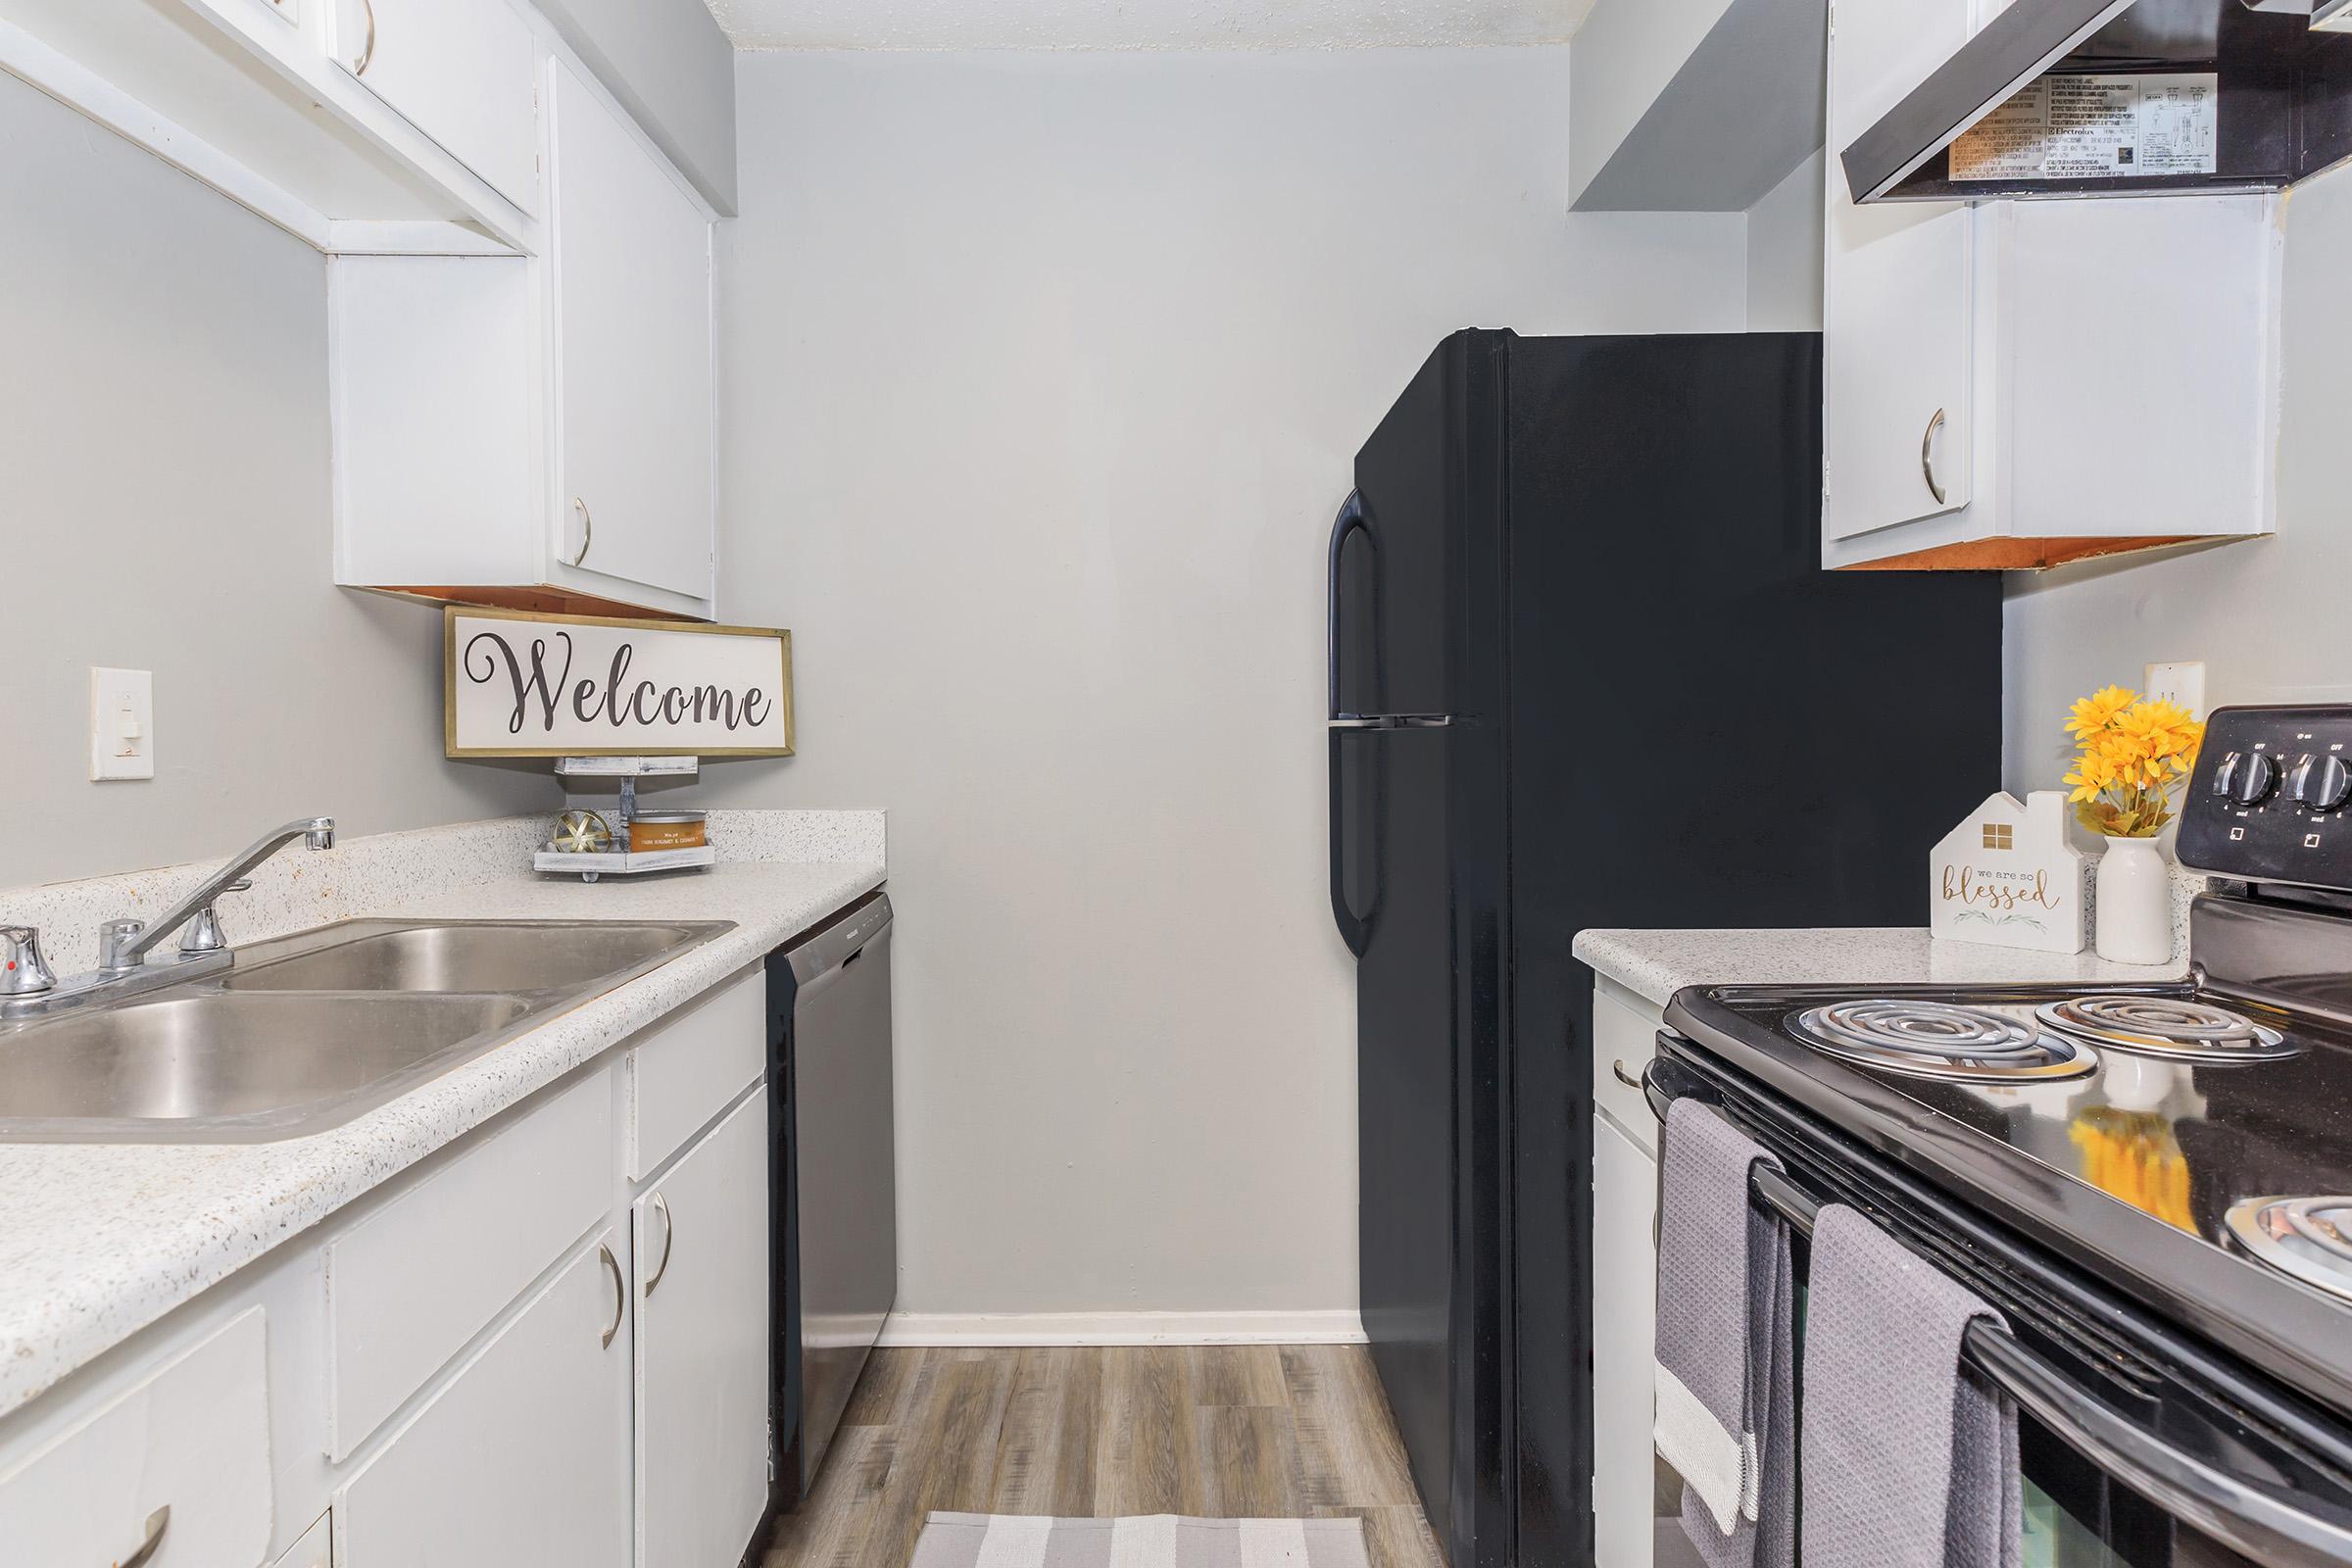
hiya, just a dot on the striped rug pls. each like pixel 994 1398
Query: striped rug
pixel 1160 1541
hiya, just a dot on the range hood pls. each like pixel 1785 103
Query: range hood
pixel 2121 97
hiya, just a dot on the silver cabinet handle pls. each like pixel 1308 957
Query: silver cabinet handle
pixel 157 1523
pixel 366 54
pixel 1624 1077
pixel 669 1236
pixel 587 531
pixel 1927 457
pixel 621 1294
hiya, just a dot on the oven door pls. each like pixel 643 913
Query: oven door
pixel 2140 1447
pixel 2079 1516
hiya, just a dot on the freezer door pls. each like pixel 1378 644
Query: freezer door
pixel 1425 489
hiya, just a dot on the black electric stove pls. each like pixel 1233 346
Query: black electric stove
pixel 2152 1179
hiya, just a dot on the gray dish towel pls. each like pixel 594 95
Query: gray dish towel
pixel 1910 1461
pixel 1726 1372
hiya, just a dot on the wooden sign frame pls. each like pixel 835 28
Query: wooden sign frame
pixel 640 744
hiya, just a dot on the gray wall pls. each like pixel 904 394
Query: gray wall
pixel 1784 254
pixel 1043 379
pixel 667 61
pixel 2267 615
pixel 164 506
pixel 1627 54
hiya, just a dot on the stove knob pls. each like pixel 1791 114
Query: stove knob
pixel 2252 779
pixel 2321 781
pixel 2225 777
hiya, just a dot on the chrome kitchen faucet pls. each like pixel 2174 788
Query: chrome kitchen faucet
pixel 27 988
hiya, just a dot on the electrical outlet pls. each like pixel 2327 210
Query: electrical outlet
pixel 2181 683
pixel 122 724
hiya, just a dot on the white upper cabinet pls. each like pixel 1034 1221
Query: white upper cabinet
pixel 2014 384
pixel 255 99
pixel 1897 309
pixel 463 72
pixel 537 431
pixel 633 304
pixel 519 294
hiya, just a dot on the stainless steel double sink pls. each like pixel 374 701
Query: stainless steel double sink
pixel 308 1031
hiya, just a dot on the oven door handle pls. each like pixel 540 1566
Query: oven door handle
pixel 2246 1518
pixel 1665 1080
pixel 2239 1515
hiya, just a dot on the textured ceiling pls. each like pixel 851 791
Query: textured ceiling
pixel 1144 23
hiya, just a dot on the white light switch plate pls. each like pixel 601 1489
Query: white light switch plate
pixel 2182 681
pixel 121 724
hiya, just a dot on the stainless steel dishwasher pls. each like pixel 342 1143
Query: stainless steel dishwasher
pixel 835 1190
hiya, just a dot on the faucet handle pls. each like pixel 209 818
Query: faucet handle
pixel 23 972
pixel 115 942
pixel 204 932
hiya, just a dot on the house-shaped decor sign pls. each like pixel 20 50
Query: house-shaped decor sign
pixel 2007 876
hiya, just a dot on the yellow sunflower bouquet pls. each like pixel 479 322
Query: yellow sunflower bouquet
pixel 2135 754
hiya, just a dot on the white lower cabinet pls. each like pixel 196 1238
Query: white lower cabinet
pixel 492 1220
pixel 1626 1496
pixel 175 1466
pixel 523 1456
pixel 701 1347
pixel 525 1351
pixel 316 1549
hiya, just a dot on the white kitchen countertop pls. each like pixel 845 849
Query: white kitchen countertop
pixel 100 1240
pixel 1658 963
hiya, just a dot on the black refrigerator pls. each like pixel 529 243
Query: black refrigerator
pixel 1586 670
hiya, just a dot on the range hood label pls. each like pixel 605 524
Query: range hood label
pixel 2094 128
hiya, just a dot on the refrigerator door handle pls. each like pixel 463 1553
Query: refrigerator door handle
pixel 1352 518
pixel 1354 929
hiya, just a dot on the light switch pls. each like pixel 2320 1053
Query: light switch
pixel 121 724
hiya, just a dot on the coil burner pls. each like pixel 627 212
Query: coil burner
pixel 1939 1039
pixel 2310 1237
pixel 2167 1026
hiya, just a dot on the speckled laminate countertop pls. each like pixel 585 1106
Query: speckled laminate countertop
pixel 1658 963
pixel 100 1240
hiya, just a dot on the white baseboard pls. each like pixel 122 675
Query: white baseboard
pixel 1010 1329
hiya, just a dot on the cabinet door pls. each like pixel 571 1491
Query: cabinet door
pixel 703 1339
pixel 1898 301
pixel 181 1459
pixel 316 1549
pixel 1627 1508
pixel 634 426
pixel 523 1456
pixel 464 71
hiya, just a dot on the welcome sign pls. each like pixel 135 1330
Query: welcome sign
pixel 531 685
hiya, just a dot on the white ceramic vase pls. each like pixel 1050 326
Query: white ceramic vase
pixel 2135 903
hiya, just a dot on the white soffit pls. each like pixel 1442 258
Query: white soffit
pixel 1145 24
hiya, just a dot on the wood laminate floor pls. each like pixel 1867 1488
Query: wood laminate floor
pixel 1255 1430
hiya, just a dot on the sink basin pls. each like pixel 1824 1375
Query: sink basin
pixel 224 1064
pixel 463 955
pixel 308 1031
